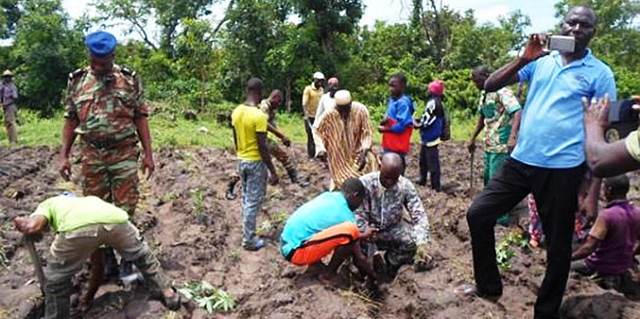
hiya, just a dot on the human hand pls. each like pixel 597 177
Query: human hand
pixel 596 112
pixel 384 120
pixel 148 166
pixel 322 156
pixel 471 146
pixel 64 168
pixel 534 49
pixel 286 141
pixel 362 160
pixel 28 226
pixel 423 261
pixel 383 129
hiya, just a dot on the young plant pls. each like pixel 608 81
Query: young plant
pixel 208 297
pixel 264 228
pixel 505 248
pixel 198 201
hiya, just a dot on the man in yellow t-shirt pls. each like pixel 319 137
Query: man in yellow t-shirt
pixel 310 100
pixel 250 137
pixel 82 224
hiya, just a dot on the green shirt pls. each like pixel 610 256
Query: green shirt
pixel 65 214
pixel 497 108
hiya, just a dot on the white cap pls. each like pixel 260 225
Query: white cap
pixel 318 76
pixel 342 97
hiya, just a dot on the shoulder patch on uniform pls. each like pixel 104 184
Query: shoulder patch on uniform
pixel 77 73
pixel 128 71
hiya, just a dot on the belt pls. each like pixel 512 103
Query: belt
pixel 109 144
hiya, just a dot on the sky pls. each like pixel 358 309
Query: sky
pixel 541 12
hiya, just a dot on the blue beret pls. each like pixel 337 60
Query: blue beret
pixel 100 43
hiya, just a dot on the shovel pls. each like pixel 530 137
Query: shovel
pixel 37 264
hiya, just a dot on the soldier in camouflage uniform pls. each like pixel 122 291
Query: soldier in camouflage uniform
pixel 382 211
pixel 105 107
pixel 270 107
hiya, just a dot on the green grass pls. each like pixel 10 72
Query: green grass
pixel 166 131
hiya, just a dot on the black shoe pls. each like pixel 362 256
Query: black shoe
pixel 111 268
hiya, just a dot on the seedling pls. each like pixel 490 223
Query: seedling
pixel 198 201
pixel 505 250
pixel 208 297
pixel 264 228
pixel 280 217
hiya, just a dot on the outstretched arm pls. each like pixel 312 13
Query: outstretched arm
pixel 607 159
pixel 586 249
pixel 508 74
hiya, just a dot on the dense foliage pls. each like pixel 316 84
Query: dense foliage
pixel 198 62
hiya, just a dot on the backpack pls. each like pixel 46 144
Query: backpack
pixel 446 125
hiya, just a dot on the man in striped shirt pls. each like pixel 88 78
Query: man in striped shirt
pixel 346 135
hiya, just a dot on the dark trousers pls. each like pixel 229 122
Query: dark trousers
pixel 311 146
pixel 430 164
pixel 555 191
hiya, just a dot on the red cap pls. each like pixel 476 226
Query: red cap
pixel 436 87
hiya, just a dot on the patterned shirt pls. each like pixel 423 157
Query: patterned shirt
pixel 344 140
pixel 105 105
pixel 265 106
pixel 8 93
pixel 497 108
pixel 384 208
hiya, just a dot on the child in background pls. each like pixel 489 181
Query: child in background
pixel 535 225
pixel 431 126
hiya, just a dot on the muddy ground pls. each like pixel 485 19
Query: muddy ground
pixel 200 240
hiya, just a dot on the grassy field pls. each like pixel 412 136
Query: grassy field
pixel 204 132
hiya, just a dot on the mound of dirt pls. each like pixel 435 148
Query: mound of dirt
pixel 197 233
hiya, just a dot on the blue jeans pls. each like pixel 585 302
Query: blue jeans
pixel 254 186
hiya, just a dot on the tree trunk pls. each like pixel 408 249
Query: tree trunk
pixel 288 95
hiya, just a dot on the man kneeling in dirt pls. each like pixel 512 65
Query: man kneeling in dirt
pixel 382 212
pixel 82 225
pixel 611 245
pixel 326 224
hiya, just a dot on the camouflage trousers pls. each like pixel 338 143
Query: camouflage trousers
pixel 112 175
pixel 254 186
pixel 398 244
pixel 70 250
pixel 10 123
pixel 279 154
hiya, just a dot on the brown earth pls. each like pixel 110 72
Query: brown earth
pixel 200 241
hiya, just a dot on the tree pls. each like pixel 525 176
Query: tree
pixel 324 21
pixel 46 50
pixel 9 16
pixel 136 14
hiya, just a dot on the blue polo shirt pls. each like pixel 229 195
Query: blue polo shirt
pixel 552 128
pixel 400 110
pixel 326 210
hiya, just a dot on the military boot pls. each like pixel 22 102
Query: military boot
pixel 293 175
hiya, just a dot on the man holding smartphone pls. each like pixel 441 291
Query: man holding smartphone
pixel 549 157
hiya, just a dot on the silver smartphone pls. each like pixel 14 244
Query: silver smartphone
pixel 562 43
